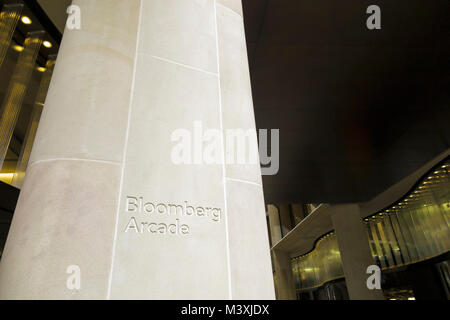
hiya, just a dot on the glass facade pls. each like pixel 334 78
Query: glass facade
pixel 27 57
pixel 417 227
pixel 414 229
pixel 319 266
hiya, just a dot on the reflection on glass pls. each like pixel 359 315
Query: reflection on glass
pixel 417 227
pixel 33 123
pixel 12 102
pixel 321 265
pixel 9 17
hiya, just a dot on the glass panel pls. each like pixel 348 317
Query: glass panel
pixel 321 265
pixel 415 228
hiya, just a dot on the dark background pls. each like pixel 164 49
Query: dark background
pixel 357 109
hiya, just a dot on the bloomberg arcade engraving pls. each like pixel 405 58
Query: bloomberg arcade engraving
pixel 137 205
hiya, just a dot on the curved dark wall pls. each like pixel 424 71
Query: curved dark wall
pixel 357 109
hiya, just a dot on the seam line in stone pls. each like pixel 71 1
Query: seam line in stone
pixel 227 238
pixel 181 64
pixel 130 106
pixel 73 159
pixel 244 181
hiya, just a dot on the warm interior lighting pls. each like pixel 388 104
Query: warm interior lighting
pixel 18 48
pixel 41 69
pixel 26 20
pixel 6 177
pixel 411 298
pixel 47 44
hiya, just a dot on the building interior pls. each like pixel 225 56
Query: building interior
pixel 363 118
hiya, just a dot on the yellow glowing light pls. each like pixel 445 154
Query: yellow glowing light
pixel 47 44
pixel 18 48
pixel 41 69
pixel 411 298
pixel 6 177
pixel 26 20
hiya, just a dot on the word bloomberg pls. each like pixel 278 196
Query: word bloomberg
pixel 139 206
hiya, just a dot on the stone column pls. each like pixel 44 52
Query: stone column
pixel 285 217
pixel 66 213
pixel 355 251
pixel 284 279
pixel 103 191
pixel 251 271
pixel 274 224
pixel 298 212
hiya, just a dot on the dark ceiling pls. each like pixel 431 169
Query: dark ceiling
pixel 357 109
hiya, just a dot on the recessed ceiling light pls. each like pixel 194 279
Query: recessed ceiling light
pixel 47 44
pixel 26 20
pixel 18 48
